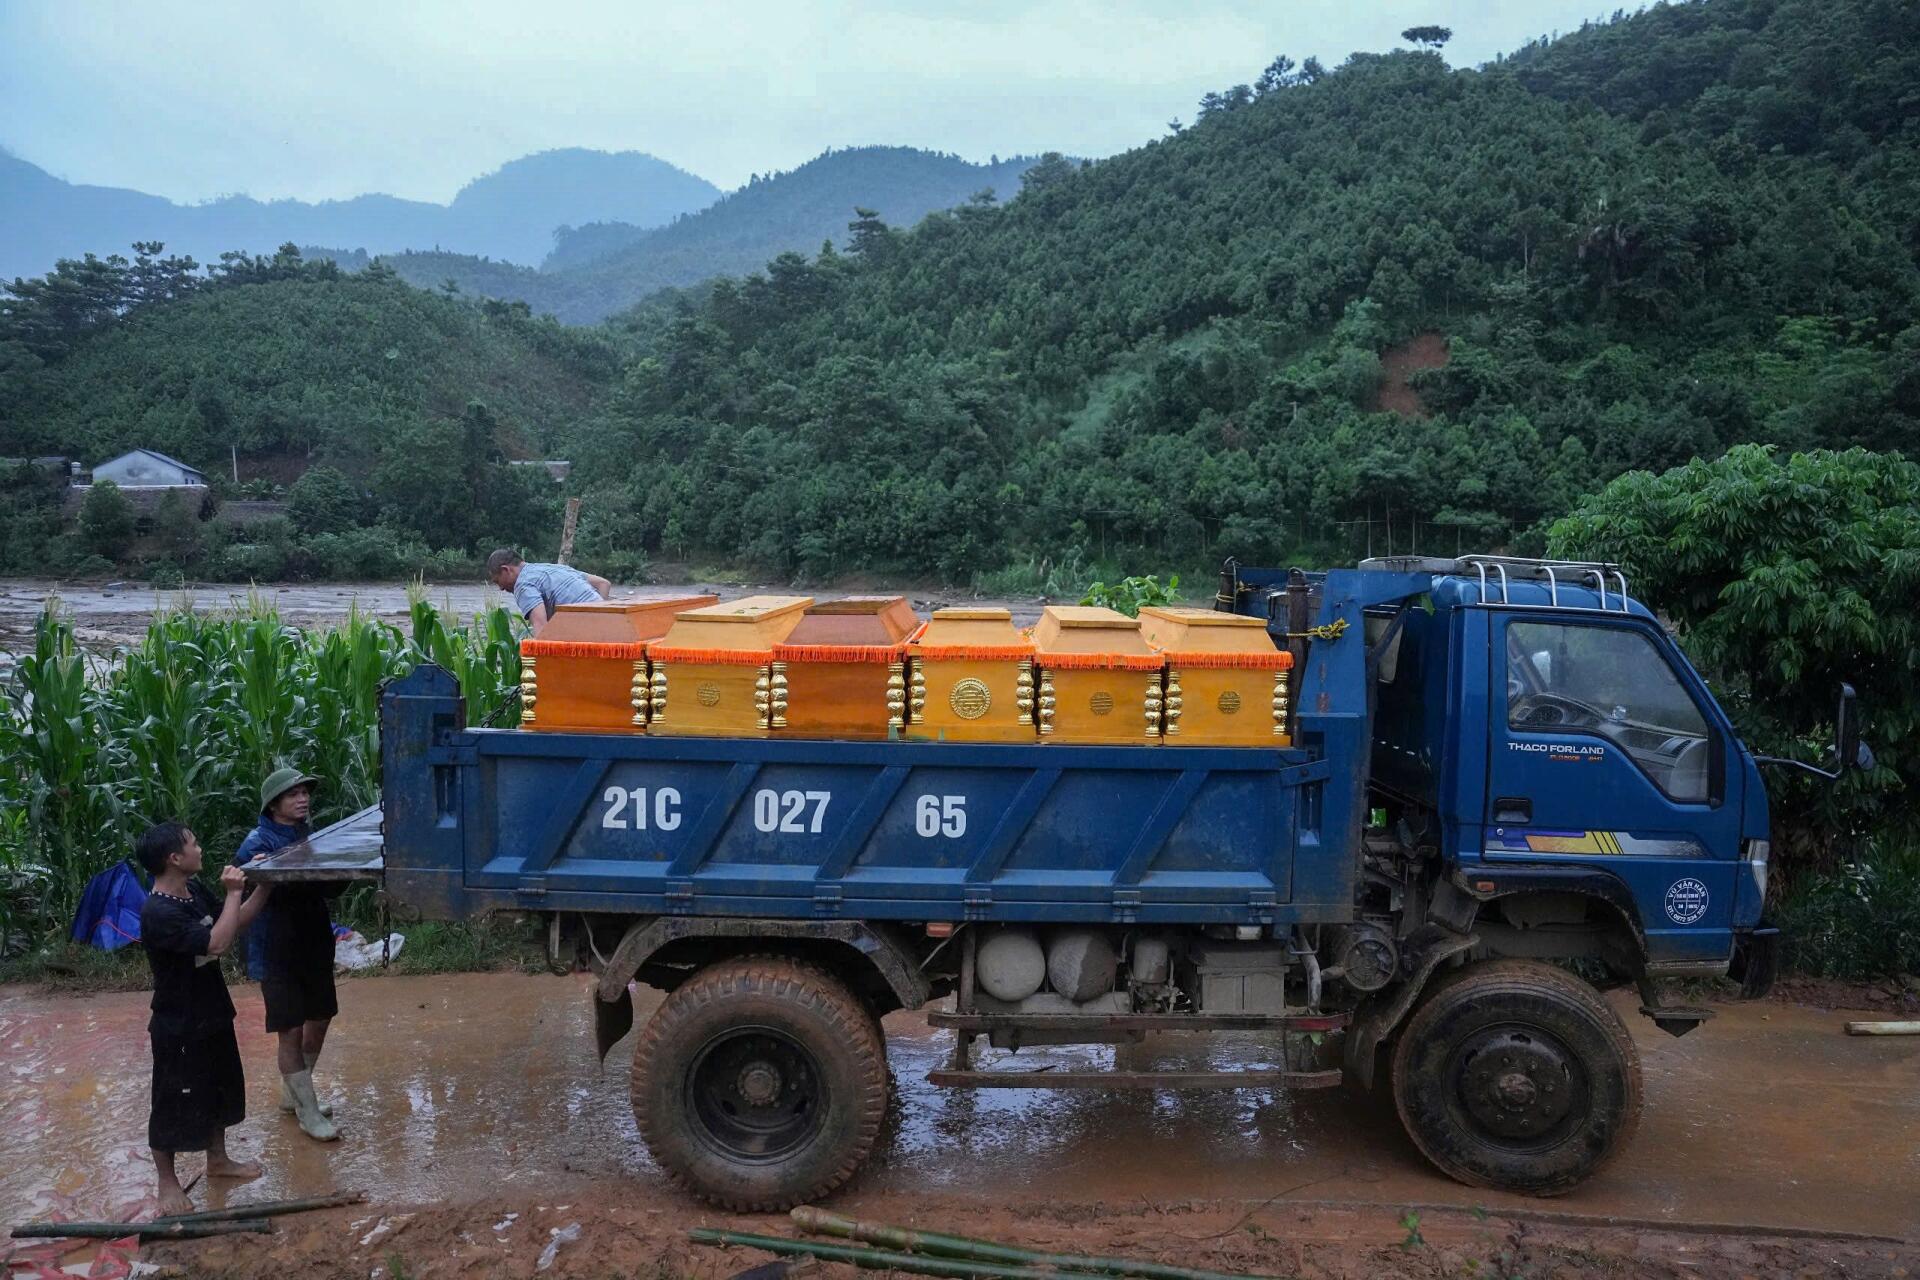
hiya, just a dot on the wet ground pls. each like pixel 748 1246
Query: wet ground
pixel 469 1087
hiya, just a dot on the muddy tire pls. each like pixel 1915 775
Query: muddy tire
pixel 1516 1075
pixel 760 1084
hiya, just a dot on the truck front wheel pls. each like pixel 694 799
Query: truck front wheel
pixel 1516 1075
pixel 760 1083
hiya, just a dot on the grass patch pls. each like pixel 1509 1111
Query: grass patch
pixel 60 966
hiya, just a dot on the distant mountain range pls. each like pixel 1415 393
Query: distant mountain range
pixel 510 214
pixel 597 269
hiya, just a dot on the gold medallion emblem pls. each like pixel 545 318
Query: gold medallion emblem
pixel 1101 704
pixel 707 695
pixel 970 699
pixel 1229 703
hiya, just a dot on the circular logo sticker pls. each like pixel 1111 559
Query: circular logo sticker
pixel 1101 704
pixel 1228 702
pixel 970 699
pixel 1687 901
pixel 707 695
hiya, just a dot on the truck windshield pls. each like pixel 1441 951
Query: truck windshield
pixel 1610 682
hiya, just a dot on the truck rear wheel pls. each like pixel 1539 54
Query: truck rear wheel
pixel 1516 1075
pixel 760 1083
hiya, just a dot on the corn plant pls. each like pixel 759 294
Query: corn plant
pixel 167 708
pixel 345 669
pixel 187 722
pixel 59 755
pixel 484 656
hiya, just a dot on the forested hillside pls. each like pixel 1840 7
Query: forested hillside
pixel 404 405
pixel 511 213
pixel 1175 354
pixel 599 268
pixel 1211 344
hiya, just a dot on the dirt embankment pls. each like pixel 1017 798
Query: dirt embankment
pixel 1397 367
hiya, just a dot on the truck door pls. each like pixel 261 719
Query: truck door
pixel 1606 753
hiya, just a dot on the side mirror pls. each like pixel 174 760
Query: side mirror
pixel 1846 730
pixel 1848 751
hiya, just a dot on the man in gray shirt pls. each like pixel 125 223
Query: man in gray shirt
pixel 538 588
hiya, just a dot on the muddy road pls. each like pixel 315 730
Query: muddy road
pixel 482 1091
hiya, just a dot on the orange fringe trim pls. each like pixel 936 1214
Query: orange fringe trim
pixel 1100 661
pixel 625 650
pixel 971 652
pixel 880 653
pixel 1278 661
pixel 714 657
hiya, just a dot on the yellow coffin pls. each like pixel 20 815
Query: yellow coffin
pixel 1099 678
pixel 845 668
pixel 970 679
pixel 586 672
pixel 1226 683
pixel 714 673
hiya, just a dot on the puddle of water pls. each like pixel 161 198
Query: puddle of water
pixel 461 1086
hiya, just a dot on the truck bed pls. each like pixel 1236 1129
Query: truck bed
pixel 481 819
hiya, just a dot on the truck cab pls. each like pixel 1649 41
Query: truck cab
pixel 1542 745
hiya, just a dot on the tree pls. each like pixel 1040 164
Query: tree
pixel 106 521
pixel 1427 37
pixel 1784 577
pixel 176 529
pixel 323 500
pixel 1278 75
pixel 868 233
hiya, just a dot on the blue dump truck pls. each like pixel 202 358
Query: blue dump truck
pixel 1507 789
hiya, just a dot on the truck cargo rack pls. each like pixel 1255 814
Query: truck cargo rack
pixel 1508 569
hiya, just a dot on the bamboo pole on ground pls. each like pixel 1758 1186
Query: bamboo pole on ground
pixel 269 1208
pixel 145 1230
pixel 880 1259
pixel 1883 1028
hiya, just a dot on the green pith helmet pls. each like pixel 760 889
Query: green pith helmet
pixel 281 781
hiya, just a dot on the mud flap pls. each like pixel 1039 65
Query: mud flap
pixel 1377 1019
pixel 1756 961
pixel 612 1019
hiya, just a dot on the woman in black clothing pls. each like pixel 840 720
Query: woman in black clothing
pixel 199 1090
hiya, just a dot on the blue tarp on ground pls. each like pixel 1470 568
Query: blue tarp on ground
pixel 109 914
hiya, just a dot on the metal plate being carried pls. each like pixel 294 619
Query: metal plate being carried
pixel 351 849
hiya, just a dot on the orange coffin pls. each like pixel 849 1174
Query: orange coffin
pixel 1099 679
pixel 970 679
pixel 586 672
pixel 714 675
pixel 845 668
pixel 1227 685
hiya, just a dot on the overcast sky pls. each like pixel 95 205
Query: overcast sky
pixel 329 98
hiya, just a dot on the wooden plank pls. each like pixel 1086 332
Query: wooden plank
pixel 1883 1028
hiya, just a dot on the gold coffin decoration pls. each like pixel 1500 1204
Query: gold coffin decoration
pixel 846 668
pixel 1226 684
pixel 714 673
pixel 1099 678
pixel 586 672
pixel 970 679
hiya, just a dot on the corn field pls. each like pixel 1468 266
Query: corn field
pixel 185 724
